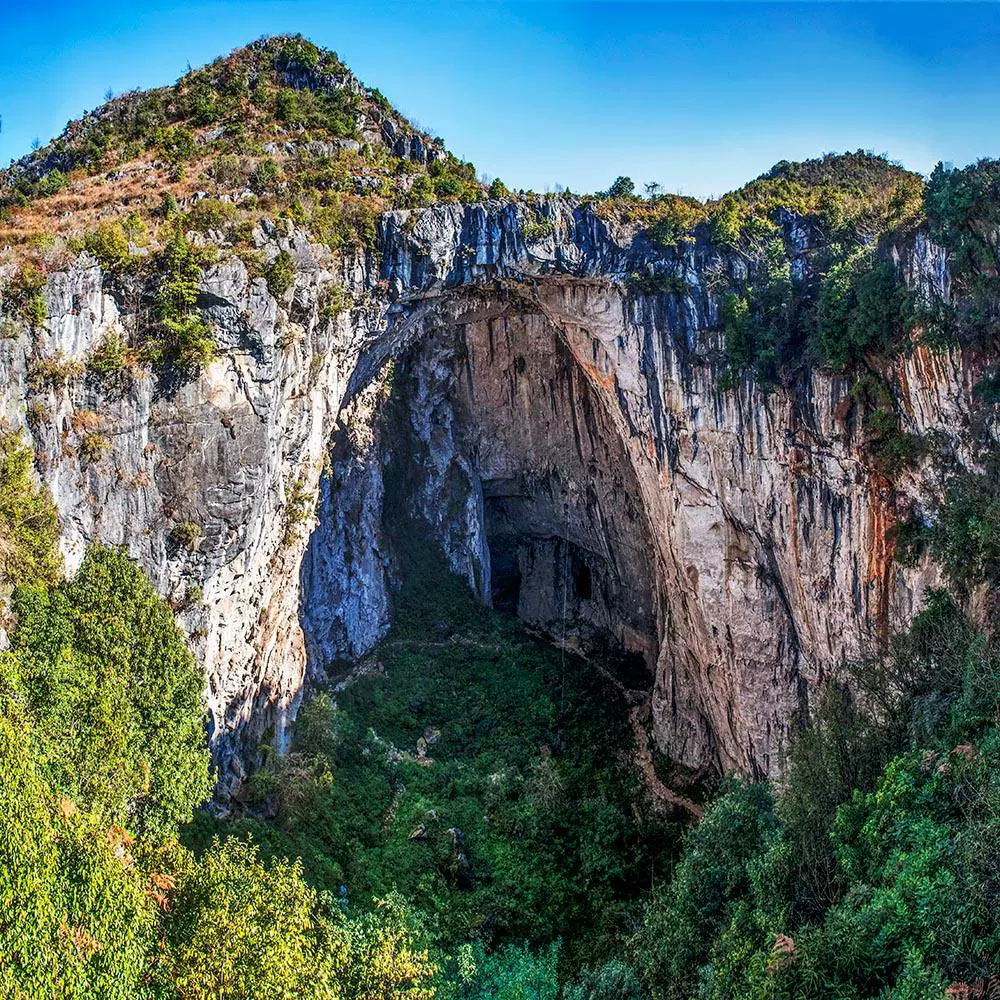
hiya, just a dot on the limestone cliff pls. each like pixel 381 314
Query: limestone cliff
pixel 561 430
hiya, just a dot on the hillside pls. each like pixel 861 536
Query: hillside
pixel 276 125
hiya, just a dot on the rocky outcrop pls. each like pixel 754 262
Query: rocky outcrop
pixel 564 438
pixel 204 480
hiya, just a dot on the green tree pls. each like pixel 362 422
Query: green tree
pixel 623 187
pixel 29 525
pixel 76 918
pixel 115 694
pixel 237 928
pixel 683 918
pixel 187 338
pixel 612 981
pixel 863 307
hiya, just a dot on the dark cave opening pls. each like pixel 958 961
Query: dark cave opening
pixel 583 587
pixel 505 576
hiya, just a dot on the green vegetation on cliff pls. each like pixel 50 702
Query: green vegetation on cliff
pixel 29 527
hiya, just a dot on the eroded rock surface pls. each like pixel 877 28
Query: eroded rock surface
pixel 563 435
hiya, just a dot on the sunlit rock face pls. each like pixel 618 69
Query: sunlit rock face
pixel 561 434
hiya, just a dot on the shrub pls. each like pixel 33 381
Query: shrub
pixel 238 928
pixel 280 274
pixel 966 536
pixel 113 362
pixel 186 337
pixel 286 106
pixel 963 213
pixel 889 449
pixel 447 179
pixel 683 918
pixel 228 171
pixel 388 954
pixel 757 321
pixel 298 508
pixel 26 289
pixel 29 525
pixel 176 144
pixel 513 972
pixel 35 311
pixel 498 190
pixel 135 229
pixel 109 245
pixel 612 981
pixel 201 104
pixel 265 176
pixel 93 446
pixel 52 183
pixel 29 280
pixel 191 342
pixel 210 213
pixel 345 221
pixel 54 372
pixel 296 54
pixel 77 919
pixel 187 534
pixel 675 217
pixel 334 300
pixel 863 307
pixel 538 229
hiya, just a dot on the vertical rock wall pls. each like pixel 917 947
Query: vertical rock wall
pixel 566 441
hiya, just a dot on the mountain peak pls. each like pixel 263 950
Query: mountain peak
pixel 276 120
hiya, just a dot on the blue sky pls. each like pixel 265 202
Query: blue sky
pixel 697 96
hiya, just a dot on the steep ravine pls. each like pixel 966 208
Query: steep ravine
pixel 564 436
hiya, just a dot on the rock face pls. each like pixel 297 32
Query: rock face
pixel 561 432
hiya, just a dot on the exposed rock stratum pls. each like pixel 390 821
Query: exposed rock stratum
pixel 561 431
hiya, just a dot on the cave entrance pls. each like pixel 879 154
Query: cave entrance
pixel 505 575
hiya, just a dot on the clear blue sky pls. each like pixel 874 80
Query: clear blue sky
pixel 698 96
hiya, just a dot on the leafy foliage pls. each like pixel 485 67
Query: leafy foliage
pixel 863 307
pixel 109 244
pixel 510 973
pixel 966 536
pixel 612 981
pixel 875 874
pixel 185 337
pixel 238 928
pixel 77 921
pixel 281 274
pixel 963 215
pixel 29 526
pixel 114 694
pixel 714 872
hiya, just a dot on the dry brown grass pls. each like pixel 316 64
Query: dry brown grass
pixel 85 421
pixel 139 186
